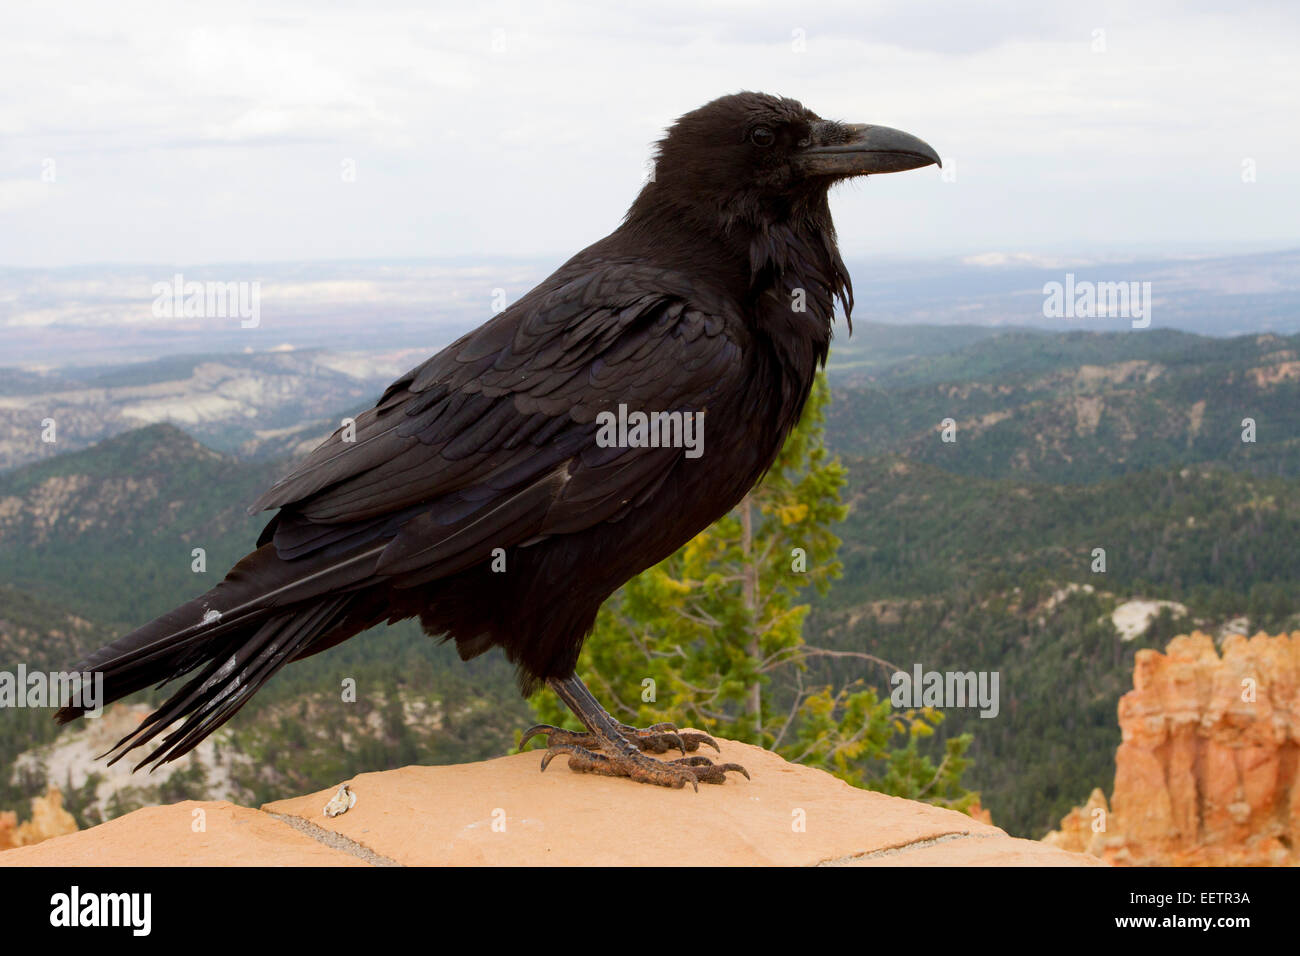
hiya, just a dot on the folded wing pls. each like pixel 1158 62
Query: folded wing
pixel 492 442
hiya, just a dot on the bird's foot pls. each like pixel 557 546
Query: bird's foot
pixel 616 750
pixel 589 754
pixel 634 765
pixel 657 738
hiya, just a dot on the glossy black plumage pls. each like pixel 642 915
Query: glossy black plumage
pixel 489 447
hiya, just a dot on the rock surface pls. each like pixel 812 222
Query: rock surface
pixel 1206 773
pixel 503 812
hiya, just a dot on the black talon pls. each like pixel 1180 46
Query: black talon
pixel 532 732
pixel 697 738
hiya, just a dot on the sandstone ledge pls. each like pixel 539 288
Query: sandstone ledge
pixel 504 812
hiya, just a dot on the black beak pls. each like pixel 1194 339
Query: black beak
pixel 866 150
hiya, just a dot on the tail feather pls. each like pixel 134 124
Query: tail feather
pixel 265 613
pixel 256 586
pixel 229 682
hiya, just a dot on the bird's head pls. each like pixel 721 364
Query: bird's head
pixel 752 158
pixel 747 175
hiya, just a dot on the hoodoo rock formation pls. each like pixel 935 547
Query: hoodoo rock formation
pixel 48 820
pixel 1206 773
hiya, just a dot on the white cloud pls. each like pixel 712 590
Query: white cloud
pixel 216 131
pixel 22 193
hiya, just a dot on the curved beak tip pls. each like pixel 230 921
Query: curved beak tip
pixel 869 150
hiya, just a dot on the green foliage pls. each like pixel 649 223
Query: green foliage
pixel 108 532
pixel 1061 673
pixel 43 636
pixel 853 734
pixel 79 801
pixel 1080 407
pixel 1213 538
pixel 712 638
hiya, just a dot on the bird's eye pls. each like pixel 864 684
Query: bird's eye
pixel 762 136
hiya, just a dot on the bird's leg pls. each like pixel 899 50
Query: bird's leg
pixel 614 749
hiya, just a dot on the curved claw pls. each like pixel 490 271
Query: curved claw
pixel 694 738
pixel 717 774
pixel 685 777
pixel 709 771
pixel 533 731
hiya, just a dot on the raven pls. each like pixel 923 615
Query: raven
pixel 478 493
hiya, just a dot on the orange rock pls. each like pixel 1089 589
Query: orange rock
pixel 980 813
pixel 1206 773
pixel 49 819
pixel 8 828
pixel 1083 829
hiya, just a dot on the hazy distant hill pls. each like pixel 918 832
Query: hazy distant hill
pixel 277 401
pixel 1082 406
pixel 873 347
pixel 1197 534
pixel 280 404
pixel 95 314
pixel 1218 295
pixel 89 315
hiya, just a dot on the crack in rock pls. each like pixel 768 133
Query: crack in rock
pixel 335 841
pixel 906 847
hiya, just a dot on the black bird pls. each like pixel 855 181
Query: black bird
pixel 476 495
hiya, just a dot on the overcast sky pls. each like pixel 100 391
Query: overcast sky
pixel 222 131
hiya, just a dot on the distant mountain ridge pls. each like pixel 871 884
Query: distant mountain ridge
pixel 1082 406
pixel 255 401
pixel 1215 294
